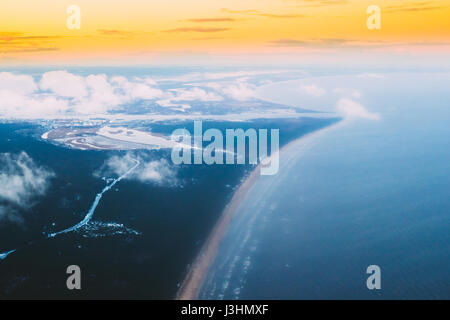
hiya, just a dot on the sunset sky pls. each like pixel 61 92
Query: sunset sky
pixel 146 30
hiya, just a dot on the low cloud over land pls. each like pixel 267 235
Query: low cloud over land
pixel 22 181
pixel 159 171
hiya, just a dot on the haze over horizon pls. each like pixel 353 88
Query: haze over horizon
pixel 178 32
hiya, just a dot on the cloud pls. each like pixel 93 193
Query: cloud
pixel 63 93
pixel 15 36
pixel 60 93
pixel 222 75
pixel 348 43
pixel 371 75
pixel 326 42
pixel 21 182
pixel 113 32
pixel 347 92
pixel 21 84
pixel 22 49
pixel 17 42
pixel 234 74
pixel 194 29
pixel 158 171
pixel 200 20
pixel 280 16
pixel 122 34
pixel 16 105
pixel 353 110
pixel 4 34
pixel 149 171
pixel 239 11
pixel 313 90
pixel 64 84
pixel 140 88
pixel 196 94
pixel 289 43
pixel 318 3
pixel 240 91
pixel 253 12
pixel 413 7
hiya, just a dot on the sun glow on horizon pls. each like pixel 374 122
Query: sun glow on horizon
pixel 143 30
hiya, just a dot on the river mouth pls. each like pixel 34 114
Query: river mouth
pixel 131 225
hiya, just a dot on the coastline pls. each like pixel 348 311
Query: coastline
pixel 195 277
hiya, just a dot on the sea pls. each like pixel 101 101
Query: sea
pixel 369 191
pixel 142 236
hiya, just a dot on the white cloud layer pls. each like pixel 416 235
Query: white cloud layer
pixel 195 94
pixel 60 93
pixel 313 90
pixel 20 84
pixel 148 171
pixel 353 110
pixel 239 90
pixel 242 91
pixel 64 84
pixel 21 181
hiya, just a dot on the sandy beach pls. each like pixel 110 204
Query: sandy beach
pixel 195 277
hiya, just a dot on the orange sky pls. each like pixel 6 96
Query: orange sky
pixel 118 30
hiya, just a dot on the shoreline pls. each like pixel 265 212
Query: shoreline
pixel 195 277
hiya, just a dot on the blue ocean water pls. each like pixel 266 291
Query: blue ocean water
pixel 366 192
pixel 131 239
